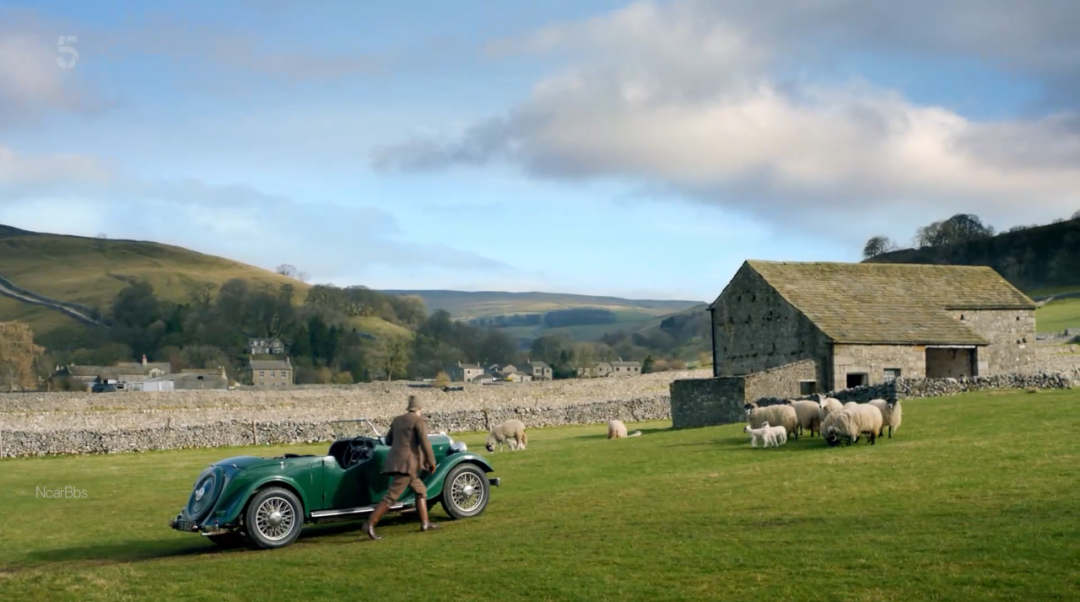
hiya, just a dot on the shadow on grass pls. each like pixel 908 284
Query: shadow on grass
pixel 149 550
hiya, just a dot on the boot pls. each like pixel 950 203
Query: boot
pixel 369 526
pixel 421 508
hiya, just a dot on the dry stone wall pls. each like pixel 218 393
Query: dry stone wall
pixel 76 423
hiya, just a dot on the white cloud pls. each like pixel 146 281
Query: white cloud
pixel 684 96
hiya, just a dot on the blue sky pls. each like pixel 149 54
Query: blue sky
pixel 634 149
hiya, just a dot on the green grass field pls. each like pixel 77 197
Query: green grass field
pixel 977 498
pixel 92 272
pixel 1058 315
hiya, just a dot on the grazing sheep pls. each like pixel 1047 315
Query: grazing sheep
pixel 777 435
pixel 807 412
pixel 511 433
pixel 828 405
pixel 759 434
pixel 617 430
pixel 862 419
pixel 828 421
pixel 890 414
pixel 779 415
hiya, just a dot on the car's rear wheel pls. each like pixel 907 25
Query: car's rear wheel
pixel 465 491
pixel 274 518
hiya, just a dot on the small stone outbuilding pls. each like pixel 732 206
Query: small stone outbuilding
pixel 865 323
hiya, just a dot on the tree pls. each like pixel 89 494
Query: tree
pixel 287 270
pixel 442 379
pixel 17 355
pixel 390 356
pixel 1075 215
pixel 878 245
pixel 962 227
pixel 582 357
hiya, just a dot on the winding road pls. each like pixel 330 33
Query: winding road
pixel 35 299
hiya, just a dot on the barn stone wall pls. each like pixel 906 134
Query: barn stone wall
pixel 780 382
pixel 707 401
pixel 873 360
pixel 755 329
pixel 1011 333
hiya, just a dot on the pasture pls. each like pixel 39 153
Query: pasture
pixel 1058 315
pixel 976 498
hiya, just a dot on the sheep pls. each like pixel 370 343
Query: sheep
pixel 779 415
pixel 777 435
pixel 511 433
pixel 828 405
pixel 759 434
pixel 807 412
pixel 617 430
pixel 862 419
pixel 827 422
pixel 890 414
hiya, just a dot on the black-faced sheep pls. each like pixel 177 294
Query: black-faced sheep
pixel 807 412
pixel 776 415
pixel 511 433
pixel 890 414
pixel 861 419
pixel 617 430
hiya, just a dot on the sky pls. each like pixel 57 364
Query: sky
pixel 640 149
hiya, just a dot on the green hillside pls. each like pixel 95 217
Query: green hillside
pixel 630 315
pixel 92 271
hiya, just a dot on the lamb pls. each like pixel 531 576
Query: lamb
pixel 759 434
pixel 511 433
pixel 617 430
pixel 807 412
pixel 828 405
pixel 890 414
pixel 862 419
pixel 779 415
pixel 777 435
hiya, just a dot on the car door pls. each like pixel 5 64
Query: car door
pixel 347 487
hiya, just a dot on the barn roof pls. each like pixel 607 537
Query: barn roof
pixel 879 303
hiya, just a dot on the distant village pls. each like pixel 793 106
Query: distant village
pixel 269 367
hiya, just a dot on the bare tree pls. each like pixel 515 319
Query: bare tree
pixel 287 270
pixel 1076 215
pixel 17 355
pixel 303 277
pixel 878 245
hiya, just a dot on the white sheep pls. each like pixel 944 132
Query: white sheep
pixel 778 415
pixel 759 434
pixel 861 419
pixel 828 405
pixel 828 421
pixel 890 414
pixel 777 435
pixel 807 413
pixel 617 430
pixel 511 433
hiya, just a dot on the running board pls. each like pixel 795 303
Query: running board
pixel 350 511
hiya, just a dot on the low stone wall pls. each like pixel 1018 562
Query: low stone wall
pixel 75 423
pixel 714 401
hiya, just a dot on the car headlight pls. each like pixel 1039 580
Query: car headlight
pixel 458 447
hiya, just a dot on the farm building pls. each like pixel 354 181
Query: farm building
pixel 831 326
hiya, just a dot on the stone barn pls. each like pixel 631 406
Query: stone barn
pixel 819 327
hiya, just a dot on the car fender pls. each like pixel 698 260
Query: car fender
pixel 435 482
pixel 230 508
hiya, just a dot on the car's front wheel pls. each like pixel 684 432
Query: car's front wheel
pixel 465 492
pixel 274 518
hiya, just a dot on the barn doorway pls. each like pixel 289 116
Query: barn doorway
pixel 857 379
pixel 951 362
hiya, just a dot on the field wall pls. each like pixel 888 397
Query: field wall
pixel 36 424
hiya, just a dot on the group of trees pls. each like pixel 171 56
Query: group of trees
pixel 20 358
pixel 960 228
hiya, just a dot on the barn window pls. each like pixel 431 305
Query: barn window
pixel 961 317
pixel 892 374
pixel 807 387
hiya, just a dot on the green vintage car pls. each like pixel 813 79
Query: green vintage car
pixel 266 501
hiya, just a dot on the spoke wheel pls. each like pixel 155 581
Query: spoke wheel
pixel 466 491
pixel 274 518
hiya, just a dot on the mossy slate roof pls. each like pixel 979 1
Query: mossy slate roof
pixel 878 303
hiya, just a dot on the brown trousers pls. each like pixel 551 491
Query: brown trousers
pixel 398 485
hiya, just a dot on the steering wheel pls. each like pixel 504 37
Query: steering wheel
pixel 359 450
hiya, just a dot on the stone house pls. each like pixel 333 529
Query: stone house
pixel 270 373
pixel 464 372
pixel 186 380
pixel 539 370
pixel 271 346
pixel 122 374
pixel 605 369
pixel 866 323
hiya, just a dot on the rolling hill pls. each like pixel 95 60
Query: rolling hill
pixel 631 315
pixel 91 271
